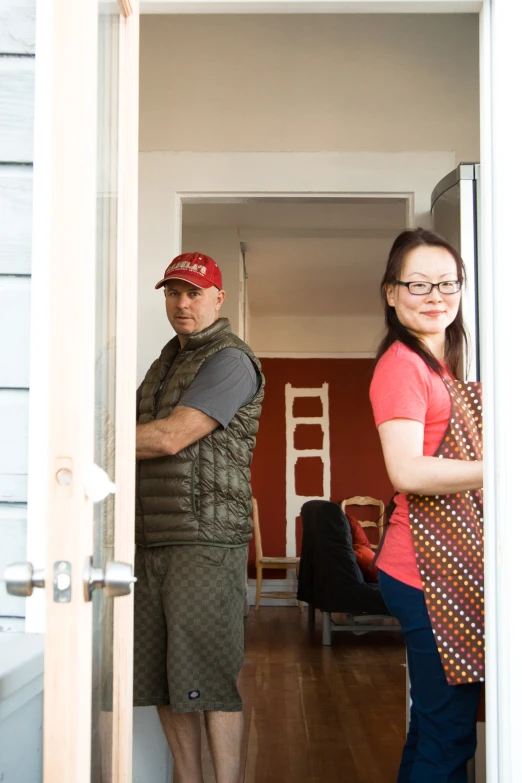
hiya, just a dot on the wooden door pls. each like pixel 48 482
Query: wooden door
pixel 83 367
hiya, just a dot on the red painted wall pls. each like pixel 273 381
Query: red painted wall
pixel 357 465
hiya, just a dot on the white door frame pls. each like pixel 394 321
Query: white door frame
pixel 312 6
pixel 237 197
pixel 500 67
pixel 501 130
pixel 125 435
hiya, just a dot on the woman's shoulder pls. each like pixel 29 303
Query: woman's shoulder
pixel 403 386
pixel 400 369
pixel 401 356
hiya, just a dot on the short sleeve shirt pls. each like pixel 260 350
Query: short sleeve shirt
pixel 225 382
pixel 404 387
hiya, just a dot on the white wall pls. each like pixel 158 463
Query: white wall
pixel 151 757
pixel 157 246
pixel 314 335
pixel 221 244
pixel 310 83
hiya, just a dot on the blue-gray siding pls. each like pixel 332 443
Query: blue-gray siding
pixel 17 64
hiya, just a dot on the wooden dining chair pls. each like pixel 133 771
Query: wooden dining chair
pixel 263 562
pixel 359 500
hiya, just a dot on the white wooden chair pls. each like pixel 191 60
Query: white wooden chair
pixel 263 562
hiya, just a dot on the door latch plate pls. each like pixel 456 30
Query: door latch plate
pixel 62 581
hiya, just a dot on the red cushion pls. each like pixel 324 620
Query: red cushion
pixel 363 551
pixel 365 557
pixel 359 537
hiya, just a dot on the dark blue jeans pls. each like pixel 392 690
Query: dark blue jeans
pixel 442 732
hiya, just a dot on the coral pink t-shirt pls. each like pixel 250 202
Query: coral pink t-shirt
pixel 404 387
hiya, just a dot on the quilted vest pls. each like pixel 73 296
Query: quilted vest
pixel 201 494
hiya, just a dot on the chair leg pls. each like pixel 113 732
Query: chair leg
pixel 299 603
pixel 259 582
pixel 311 614
pixel 327 629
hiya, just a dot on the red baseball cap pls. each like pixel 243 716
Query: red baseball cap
pixel 196 268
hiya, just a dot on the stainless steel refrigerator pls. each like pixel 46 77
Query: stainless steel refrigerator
pixel 454 210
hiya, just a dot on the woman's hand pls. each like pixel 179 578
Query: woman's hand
pixel 410 472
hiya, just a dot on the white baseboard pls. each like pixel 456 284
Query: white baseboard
pixel 273 586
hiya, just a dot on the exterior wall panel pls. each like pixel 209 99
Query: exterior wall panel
pixel 17 26
pixel 14 409
pixel 14 332
pixel 13 520
pixel 17 66
pixel 16 184
pixel 16 109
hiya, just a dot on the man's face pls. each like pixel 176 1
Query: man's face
pixel 191 309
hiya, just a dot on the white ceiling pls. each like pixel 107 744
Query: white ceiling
pixel 306 257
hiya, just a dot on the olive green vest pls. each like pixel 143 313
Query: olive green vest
pixel 202 494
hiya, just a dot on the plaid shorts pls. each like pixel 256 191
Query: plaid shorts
pixel 188 627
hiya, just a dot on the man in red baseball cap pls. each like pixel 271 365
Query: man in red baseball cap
pixel 198 410
pixel 193 293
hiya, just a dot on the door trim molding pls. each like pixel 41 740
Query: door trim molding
pixel 311 6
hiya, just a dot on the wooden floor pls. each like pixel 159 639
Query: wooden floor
pixel 317 714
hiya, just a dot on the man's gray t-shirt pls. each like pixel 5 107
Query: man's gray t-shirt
pixel 224 383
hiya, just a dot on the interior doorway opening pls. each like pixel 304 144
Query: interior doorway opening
pixel 294 130
pixel 292 261
pixel 302 276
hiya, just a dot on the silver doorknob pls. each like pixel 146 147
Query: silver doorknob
pixel 22 578
pixel 117 579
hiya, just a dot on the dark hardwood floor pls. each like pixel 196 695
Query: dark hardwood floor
pixel 317 714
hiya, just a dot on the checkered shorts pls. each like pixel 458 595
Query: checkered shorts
pixel 188 627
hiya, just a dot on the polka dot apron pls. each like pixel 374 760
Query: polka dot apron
pixel 449 545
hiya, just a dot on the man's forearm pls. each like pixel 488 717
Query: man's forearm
pixel 153 440
pixel 165 437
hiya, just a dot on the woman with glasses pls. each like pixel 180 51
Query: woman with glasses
pixel 431 561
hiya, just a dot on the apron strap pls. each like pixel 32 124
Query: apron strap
pixel 388 511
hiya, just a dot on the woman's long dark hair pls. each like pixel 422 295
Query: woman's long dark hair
pixel 456 337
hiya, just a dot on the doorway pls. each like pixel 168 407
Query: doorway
pixel 287 113
pixel 302 276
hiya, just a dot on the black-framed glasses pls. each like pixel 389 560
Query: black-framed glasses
pixel 420 288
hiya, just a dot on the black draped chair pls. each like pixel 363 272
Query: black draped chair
pixel 330 579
